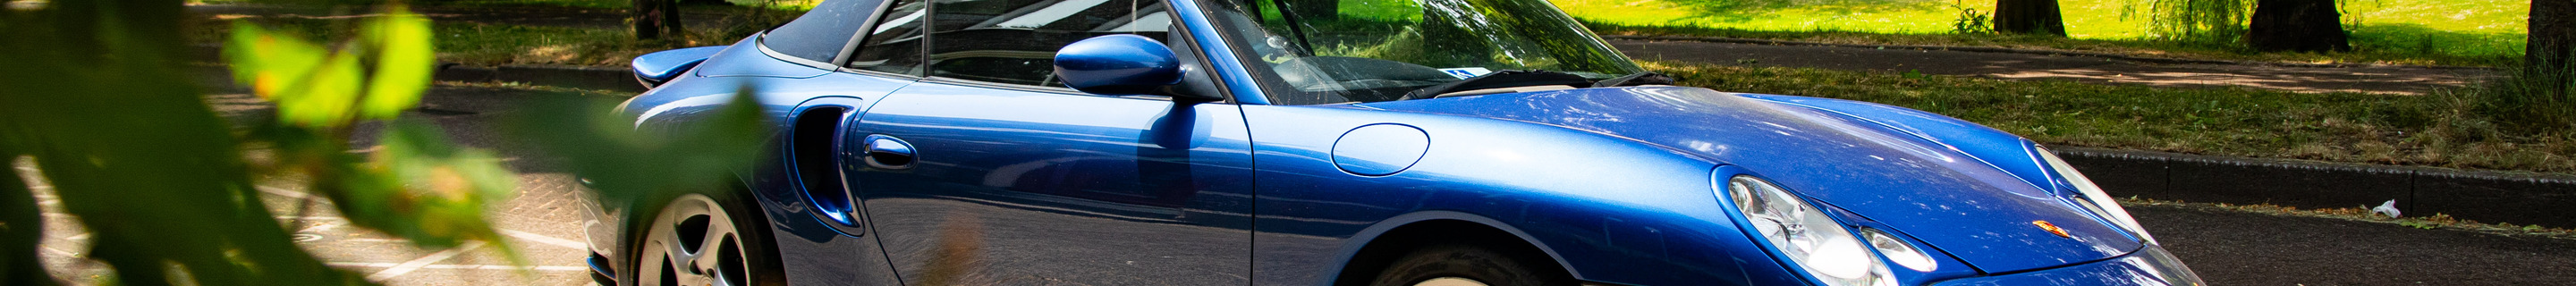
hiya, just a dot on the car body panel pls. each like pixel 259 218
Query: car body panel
pixel 749 59
pixel 1546 181
pixel 1995 147
pixel 1955 202
pixel 1031 184
pixel 661 66
pixel 1028 186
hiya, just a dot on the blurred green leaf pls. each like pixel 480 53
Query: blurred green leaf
pixel 404 61
pixel 267 61
pixel 628 164
pixel 421 187
pixel 311 85
pixel 21 227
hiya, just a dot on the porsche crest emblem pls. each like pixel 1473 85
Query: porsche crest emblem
pixel 2052 228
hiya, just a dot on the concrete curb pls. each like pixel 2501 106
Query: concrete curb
pixel 2485 196
pixel 2153 60
pixel 608 78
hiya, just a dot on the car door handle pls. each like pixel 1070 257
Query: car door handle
pixel 887 152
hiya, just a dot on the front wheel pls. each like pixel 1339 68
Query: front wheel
pixel 1468 265
pixel 699 240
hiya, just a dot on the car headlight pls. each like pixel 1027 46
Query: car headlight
pixel 2094 200
pixel 1812 241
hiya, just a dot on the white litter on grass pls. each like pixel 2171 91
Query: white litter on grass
pixel 2388 208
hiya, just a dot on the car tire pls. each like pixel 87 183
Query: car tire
pixel 1469 265
pixel 703 239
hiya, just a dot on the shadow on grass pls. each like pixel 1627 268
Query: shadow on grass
pixel 2495 49
pixel 1739 10
pixel 2374 44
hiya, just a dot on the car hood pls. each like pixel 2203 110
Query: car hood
pixel 1976 212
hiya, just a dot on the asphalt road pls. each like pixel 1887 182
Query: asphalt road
pixel 2225 247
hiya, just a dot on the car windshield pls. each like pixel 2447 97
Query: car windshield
pixel 1333 51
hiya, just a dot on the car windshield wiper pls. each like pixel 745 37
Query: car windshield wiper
pixel 1501 79
pixel 1639 78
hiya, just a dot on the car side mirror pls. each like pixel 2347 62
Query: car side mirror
pixel 1120 65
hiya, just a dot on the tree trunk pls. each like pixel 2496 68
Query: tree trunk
pixel 1316 10
pixel 2036 17
pixel 2553 35
pixel 654 18
pixel 2297 25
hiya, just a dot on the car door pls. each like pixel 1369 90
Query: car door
pixel 989 173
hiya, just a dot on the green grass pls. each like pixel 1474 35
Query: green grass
pixel 2444 32
pixel 2429 130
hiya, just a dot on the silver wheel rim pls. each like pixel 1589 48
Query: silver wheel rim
pixel 1449 281
pixel 693 242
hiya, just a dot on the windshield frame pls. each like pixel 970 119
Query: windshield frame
pixel 1237 29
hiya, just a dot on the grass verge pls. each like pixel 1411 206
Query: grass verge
pixel 2363 214
pixel 2363 53
pixel 2439 130
pixel 2419 32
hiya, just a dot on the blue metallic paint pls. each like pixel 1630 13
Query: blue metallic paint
pixel 1117 65
pixel 1615 184
pixel 1995 147
pixel 1058 186
pixel 658 67
pixel 1379 149
pixel 1554 184
pixel 1954 202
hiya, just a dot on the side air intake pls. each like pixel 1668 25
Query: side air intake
pixel 816 132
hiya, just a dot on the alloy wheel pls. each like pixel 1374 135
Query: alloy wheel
pixel 694 242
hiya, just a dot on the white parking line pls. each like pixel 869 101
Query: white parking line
pixel 311 217
pixel 283 192
pixel 548 240
pixel 58 252
pixel 415 264
pixel 460 266
pixel 323 227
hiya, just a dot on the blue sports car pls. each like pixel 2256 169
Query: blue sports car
pixel 1302 142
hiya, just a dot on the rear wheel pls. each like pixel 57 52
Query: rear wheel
pixel 1469 265
pixel 700 240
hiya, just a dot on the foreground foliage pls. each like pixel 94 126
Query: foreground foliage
pixel 2442 130
pixel 96 107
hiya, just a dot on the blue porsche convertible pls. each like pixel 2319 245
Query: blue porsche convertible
pixel 1305 142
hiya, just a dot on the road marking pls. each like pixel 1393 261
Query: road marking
pixel 460 266
pixel 66 254
pixel 323 227
pixel 549 240
pixel 415 264
pixel 311 217
pixel 282 192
